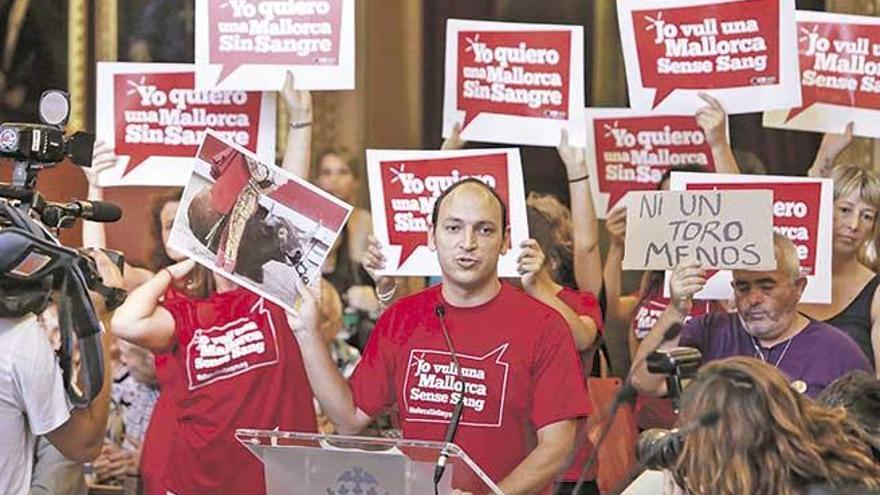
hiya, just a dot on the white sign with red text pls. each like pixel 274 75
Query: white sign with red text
pixel 840 75
pixel 155 120
pixel 802 211
pixel 251 44
pixel 742 52
pixel 514 83
pixel 630 150
pixel 404 184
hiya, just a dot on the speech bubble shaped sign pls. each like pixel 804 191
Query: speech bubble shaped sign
pixel 160 114
pixel 633 153
pixel 795 213
pixel 431 387
pixel 716 46
pixel 412 186
pixel 523 73
pixel 304 32
pixel 840 65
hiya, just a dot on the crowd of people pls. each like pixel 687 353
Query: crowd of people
pixel 791 387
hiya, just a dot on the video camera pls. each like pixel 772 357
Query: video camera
pixel 33 263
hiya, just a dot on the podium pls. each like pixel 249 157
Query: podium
pixel 308 464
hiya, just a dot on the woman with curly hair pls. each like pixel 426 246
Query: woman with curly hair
pixel 769 439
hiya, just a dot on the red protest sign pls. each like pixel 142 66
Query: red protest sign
pixel 160 114
pixel 795 214
pixel 274 33
pixel 701 45
pixel 513 73
pixel 404 185
pixel 514 83
pixel 633 151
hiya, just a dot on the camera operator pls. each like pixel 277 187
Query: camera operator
pixel 33 400
pixel 766 325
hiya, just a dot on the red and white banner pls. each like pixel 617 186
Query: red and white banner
pixel 514 83
pixel 250 44
pixel 404 185
pixel 630 150
pixel 802 211
pixel 155 120
pixel 743 52
pixel 840 75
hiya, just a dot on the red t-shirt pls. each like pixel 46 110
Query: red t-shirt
pixel 156 448
pixel 231 173
pixel 583 303
pixel 518 360
pixel 651 308
pixel 242 369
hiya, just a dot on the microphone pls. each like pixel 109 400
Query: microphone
pixel 659 449
pixel 63 215
pixel 627 393
pixel 452 428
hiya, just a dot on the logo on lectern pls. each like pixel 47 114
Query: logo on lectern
pixel 357 481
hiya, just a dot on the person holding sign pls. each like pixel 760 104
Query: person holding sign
pixel 766 325
pixel 524 386
pixel 855 298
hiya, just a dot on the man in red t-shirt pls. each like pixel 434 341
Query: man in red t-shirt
pixel 524 389
pixel 242 369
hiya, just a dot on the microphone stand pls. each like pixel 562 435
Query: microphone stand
pixel 440 466
pixel 626 394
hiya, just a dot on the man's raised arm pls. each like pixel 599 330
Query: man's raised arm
pixel 328 384
pixel 687 279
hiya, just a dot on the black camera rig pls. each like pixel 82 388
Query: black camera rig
pixel 34 265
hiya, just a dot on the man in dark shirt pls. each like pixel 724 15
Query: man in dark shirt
pixel 765 326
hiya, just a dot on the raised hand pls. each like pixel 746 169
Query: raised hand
pixel 574 158
pixel 712 119
pixel 615 224
pixel 687 279
pixel 454 141
pixel 299 102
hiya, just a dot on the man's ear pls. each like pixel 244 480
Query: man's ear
pixel 505 240
pixel 431 244
pixel 801 284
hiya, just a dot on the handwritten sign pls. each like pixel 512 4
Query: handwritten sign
pixel 250 44
pixel 631 150
pixel 741 51
pixel 726 230
pixel 405 184
pixel 802 211
pixel 840 75
pixel 514 83
pixel 155 120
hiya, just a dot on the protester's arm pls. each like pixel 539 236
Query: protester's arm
pixel 687 279
pixel 328 384
pixel 549 457
pixel 94 234
pixel 585 226
pixel 713 120
pixel 538 284
pixel 298 149
pixel 80 438
pixel 831 146
pixel 454 141
pixel 875 330
pixel 141 320
pixel 615 224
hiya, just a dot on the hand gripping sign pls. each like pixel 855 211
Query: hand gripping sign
pixel 840 75
pixel 514 83
pixel 249 44
pixel 802 211
pixel 155 121
pixel 404 185
pixel 741 51
pixel 631 150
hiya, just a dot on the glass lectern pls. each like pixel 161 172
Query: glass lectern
pixel 310 464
